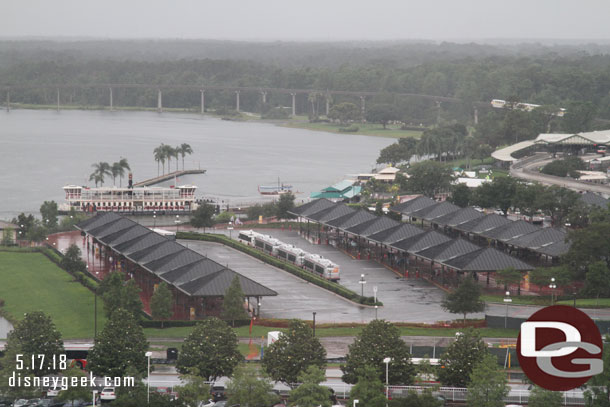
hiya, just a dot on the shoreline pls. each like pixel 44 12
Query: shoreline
pixel 300 122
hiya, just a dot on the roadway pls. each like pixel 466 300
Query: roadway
pixel 527 169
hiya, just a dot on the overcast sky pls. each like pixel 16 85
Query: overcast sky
pixel 308 19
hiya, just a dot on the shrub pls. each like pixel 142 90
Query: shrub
pixel 351 129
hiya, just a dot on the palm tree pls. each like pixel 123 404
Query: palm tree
pixel 184 150
pixel 158 154
pixel 100 170
pixel 168 152
pixel 124 166
pixel 116 170
pixel 176 152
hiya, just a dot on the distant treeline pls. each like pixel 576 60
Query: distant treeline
pixel 557 76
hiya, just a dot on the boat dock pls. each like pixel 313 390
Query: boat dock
pixel 165 177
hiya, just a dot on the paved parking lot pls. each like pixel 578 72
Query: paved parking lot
pixel 405 300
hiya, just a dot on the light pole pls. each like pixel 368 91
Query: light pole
pixel 507 300
pixel 387 381
pixel 552 286
pixel 375 293
pixel 148 355
pixel 574 294
pixel 376 311
pixel 154 220
pixel 355 402
pixel 314 323
pixel 230 229
pixel 362 282
pixel 94 396
pixel 177 222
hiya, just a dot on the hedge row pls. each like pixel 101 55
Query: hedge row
pixel 291 268
pixel 181 323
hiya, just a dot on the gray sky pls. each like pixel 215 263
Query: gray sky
pixel 308 19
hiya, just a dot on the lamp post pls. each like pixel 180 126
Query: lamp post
pixel 355 402
pixel 375 293
pixel 177 222
pixel 230 229
pixel 154 220
pixel 387 381
pixel 148 355
pixel 94 396
pixel 507 300
pixel 552 286
pixel 314 323
pixel 362 282
pixel 376 311
pixel 574 295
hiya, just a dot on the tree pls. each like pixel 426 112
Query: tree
pixel 184 149
pixel 526 198
pixel 25 223
pixel 233 302
pixel 542 276
pixel 459 359
pixel 382 114
pixel 211 348
pixel 379 340
pixel 426 399
pixel 118 293
pixel 429 178
pixel 72 261
pixel 284 205
pixel 120 345
pixel 562 168
pixel 168 152
pixel 558 202
pixel 49 212
pixel 159 155
pixel 578 117
pixel 401 151
pixel 161 303
pixel 597 280
pixel 598 394
pixel 246 388
pixel 589 245
pixel 124 164
pixel 310 393
pixel 7 237
pixel 202 217
pixel 77 392
pixel 488 385
pixel 100 170
pixel 460 195
pixel 540 397
pixel 508 277
pixel 378 208
pixel 369 389
pixel 294 352
pixel 36 335
pixel 193 391
pixel 8 370
pixel 344 112
pixel 465 299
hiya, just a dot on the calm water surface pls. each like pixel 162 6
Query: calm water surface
pixel 41 151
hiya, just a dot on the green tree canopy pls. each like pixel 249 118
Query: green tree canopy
pixel 49 213
pixel 344 112
pixel 203 216
pixel 118 293
pixel 247 388
pixel 465 299
pixel 540 397
pixel 429 178
pixel 293 353
pixel 194 390
pixel 120 345
pixel 508 277
pixel 211 348
pixel 379 340
pixel 488 385
pixel 368 390
pixel 162 303
pixel 310 393
pixel 77 392
pixel 426 399
pixel 459 359
pixel 460 195
pixel 382 113
pixel 233 302
pixel 72 261
pixel 597 280
pixel 401 151
pixel 285 204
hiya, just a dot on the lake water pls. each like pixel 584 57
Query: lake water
pixel 42 150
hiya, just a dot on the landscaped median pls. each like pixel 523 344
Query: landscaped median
pixel 291 268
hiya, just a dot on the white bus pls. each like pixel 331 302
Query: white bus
pixel 267 244
pixel 321 266
pixel 247 237
pixel 291 253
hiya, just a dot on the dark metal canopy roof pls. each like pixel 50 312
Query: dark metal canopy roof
pixel 554 249
pixel 185 269
pixel 458 217
pixel 480 225
pixel 487 259
pixel 437 210
pixel 413 205
pixel 396 233
pixel 352 219
pixel 589 198
pixel 331 213
pixel 312 207
pixel 418 243
pixel 510 230
pixel 540 237
pixel 380 223
pixel 448 250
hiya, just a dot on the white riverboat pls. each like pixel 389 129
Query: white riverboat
pixel 130 200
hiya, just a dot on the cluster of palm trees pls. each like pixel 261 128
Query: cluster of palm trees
pixel 101 169
pixel 166 152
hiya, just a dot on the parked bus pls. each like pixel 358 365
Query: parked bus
pixel 77 354
pixel 247 237
pixel 321 266
pixel 291 253
pixel 267 244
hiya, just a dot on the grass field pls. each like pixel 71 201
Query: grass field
pixel 588 302
pixel 31 282
pixel 261 331
pixel 367 129
pixel 518 299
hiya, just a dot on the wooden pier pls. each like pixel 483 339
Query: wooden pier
pixel 165 177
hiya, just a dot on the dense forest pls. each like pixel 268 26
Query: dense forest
pixel 568 76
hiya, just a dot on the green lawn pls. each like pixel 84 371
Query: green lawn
pixel 367 129
pixel 588 302
pixel 518 299
pixel 31 282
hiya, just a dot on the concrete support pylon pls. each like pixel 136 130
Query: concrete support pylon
pixel 327 104
pixel 202 100
pixel 111 101
pixel 8 100
pixel 237 100
pixel 264 95
pixel 294 104
pixel 58 99
pixel 476 115
pixel 159 101
pixel 438 112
